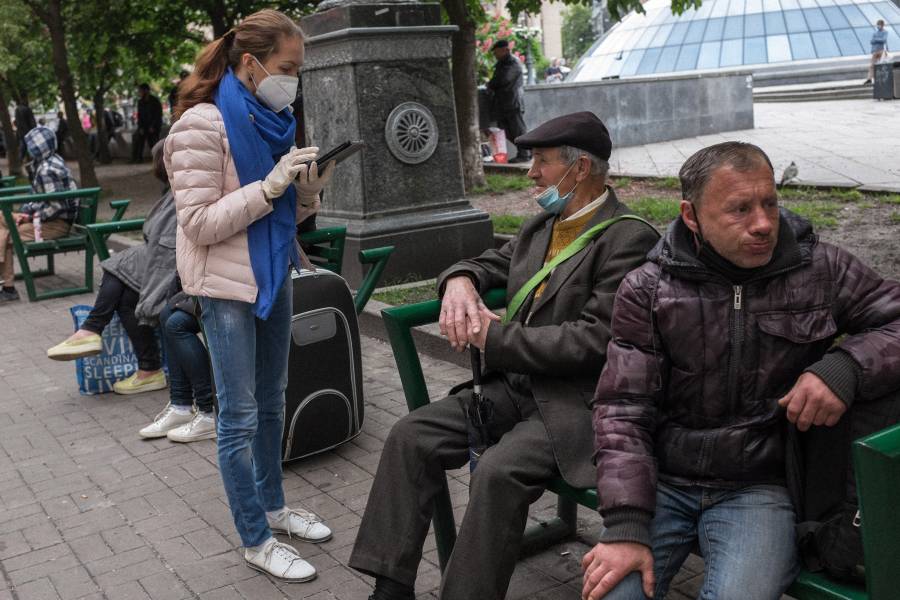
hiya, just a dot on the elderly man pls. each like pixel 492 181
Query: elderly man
pixel 542 363
pixel 507 89
pixel 719 342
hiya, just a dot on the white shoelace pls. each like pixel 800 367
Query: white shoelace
pixel 310 518
pixel 164 414
pixel 284 551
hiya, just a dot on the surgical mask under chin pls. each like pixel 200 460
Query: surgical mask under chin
pixel 276 91
pixel 551 201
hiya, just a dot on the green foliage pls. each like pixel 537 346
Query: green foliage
pixel 508 224
pixel 577 33
pixel 617 8
pixel 895 218
pixel 409 295
pixel 25 70
pixel 498 183
pixel 655 209
pixel 671 183
pixel 797 193
pixel 622 182
pixel 497 27
pixel 822 214
pixel 890 199
pixel 846 195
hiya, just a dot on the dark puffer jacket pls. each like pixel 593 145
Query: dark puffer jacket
pixel 696 365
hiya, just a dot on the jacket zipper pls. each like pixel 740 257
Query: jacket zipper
pixel 737 345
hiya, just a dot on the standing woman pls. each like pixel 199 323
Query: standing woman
pixel 240 189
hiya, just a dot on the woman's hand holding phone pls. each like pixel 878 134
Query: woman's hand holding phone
pixel 309 183
pixel 284 172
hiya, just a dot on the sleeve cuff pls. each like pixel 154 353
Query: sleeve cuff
pixel 626 525
pixel 841 374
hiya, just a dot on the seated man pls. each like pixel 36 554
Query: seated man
pixel 541 367
pixel 50 175
pixel 718 342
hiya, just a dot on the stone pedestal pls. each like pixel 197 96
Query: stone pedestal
pixel 381 73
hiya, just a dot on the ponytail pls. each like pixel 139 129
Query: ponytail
pixel 258 34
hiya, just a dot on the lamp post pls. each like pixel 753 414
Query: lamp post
pixel 528 34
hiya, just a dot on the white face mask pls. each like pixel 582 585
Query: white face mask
pixel 276 91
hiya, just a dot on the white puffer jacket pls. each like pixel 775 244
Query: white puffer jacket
pixel 214 211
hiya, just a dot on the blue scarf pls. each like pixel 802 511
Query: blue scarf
pixel 258 138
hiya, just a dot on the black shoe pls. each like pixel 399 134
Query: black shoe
pixel 520 159
pixel 9 296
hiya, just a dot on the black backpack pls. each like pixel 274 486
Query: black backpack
pixel 823 487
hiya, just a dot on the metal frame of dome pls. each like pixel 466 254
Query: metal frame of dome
pixel 724 34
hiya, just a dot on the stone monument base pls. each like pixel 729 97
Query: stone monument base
pixel 425 243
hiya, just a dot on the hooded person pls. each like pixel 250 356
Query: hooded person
pixel 50 174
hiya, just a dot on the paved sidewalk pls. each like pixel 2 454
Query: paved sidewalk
pixel 88 510
pixel 834 143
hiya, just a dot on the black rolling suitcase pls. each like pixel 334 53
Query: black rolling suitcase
pixel 324 398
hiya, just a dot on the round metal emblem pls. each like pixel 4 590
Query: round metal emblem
pixel 411 133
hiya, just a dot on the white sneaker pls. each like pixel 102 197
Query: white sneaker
pixel 301 524
pixel 281 562
pixel 200 427
pixel 166 420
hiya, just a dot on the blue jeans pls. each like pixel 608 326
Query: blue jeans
pixel 746 538
pixel 190 379
pixel 250 359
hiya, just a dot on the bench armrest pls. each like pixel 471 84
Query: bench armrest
pixel 120 206
pixel 99 232
pixel 378 258
pixel 399 321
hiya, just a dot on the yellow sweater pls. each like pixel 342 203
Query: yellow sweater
pixel 564 233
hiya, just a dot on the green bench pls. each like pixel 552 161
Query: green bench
pixel 877 460
pixel 15 190
pixel 8 181
pixel 325 248
pixel 76 241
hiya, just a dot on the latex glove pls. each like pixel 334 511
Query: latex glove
pixel 306 211
pixel 279 178
pixel 309 183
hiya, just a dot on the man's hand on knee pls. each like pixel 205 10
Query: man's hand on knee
pixel 461 313
pixel 811 402
pixel 607 564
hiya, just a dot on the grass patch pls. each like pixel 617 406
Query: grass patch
pixel 509 224
pixel 498 183
pixel 656 210
pixel 621 182
pixel 670 183
pixel 891 199
pixel 797 193
pixel 847 195
pixel 410 295
pixel 822 214
pixel 895 218
pixel 867 205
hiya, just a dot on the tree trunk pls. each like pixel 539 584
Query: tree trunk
pixel 102 135
pixel 12 145
pixel 218 18
pixel 465 92
pixel 51 16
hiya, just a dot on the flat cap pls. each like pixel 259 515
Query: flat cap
pixel 500 44
pixel 582 130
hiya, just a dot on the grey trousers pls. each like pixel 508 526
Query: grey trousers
pixel 510 476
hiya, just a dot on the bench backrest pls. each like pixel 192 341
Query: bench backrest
pixel 877 461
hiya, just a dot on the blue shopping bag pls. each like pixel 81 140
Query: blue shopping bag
pixel 97 374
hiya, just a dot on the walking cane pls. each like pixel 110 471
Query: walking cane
pixel 479 413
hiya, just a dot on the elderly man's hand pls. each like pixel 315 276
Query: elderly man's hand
pixel 22 218
pixel 811 402
pixel 607 564
pixel 479 340
pixel 461 321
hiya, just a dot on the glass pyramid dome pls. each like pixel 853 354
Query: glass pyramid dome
pixel 732 33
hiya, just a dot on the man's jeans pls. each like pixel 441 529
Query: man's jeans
pixel 250 359
pixel 746 538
